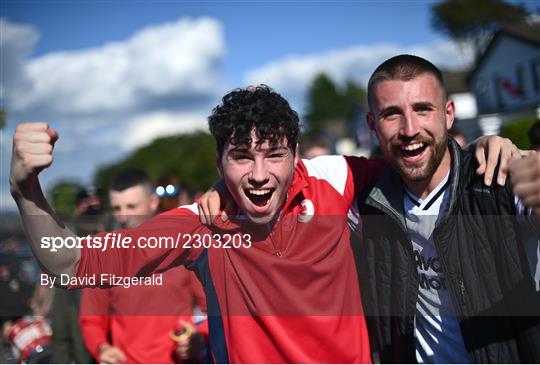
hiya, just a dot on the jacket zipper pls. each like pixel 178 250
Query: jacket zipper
pixel 457 300
pixel 271 232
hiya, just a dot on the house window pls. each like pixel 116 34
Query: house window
pixel 497 83
pixel 520 81
pixel 482 86
pixel 535 72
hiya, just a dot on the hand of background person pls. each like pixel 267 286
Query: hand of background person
pixel 109 354
pixel 33 145
pixel 191 349
pixel 525 173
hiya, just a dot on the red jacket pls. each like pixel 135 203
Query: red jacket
pixel 136 321
pixel 293 295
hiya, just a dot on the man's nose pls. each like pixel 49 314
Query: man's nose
pixel 259 173
pixel 409 127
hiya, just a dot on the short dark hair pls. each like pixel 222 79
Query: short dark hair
pixel 131 177
pixel 259 108
pixel 403 67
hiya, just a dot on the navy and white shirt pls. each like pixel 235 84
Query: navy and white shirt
pixel 438 335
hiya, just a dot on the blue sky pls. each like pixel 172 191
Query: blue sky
pixel 255 32
pixel 112 75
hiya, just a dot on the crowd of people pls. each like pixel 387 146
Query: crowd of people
pixel 429 253
pixel 104 326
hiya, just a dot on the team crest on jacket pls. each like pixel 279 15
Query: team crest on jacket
pixel 307 211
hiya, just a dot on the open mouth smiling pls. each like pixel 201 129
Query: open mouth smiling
pixel 259 197
pixel 413 152
pixel 413 149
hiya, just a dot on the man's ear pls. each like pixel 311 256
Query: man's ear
pixel 154 202
pixel 450 113
pixel 296 154
pixel 219 165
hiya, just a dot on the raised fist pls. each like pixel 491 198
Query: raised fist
pixel 33 145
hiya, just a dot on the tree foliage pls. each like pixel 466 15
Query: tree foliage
pixel 474 21
pixel 3 118
pixel 327 103
pixel 189 157
pixel 518 132
pixel 63 197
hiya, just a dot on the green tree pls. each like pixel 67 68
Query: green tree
pixel 324 104
pixel 63 195
pixel 3 118
pixel 354 95
pixel 327 104
pixel 474 21
pixel 190 157
pixel 518 132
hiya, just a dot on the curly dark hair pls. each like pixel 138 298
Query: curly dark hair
pixel 259 108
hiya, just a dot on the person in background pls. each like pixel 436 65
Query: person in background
pixel 67 344
pixel 15 294
pixel 534 135
pixel 532 240
pixel 134 325
pixel 313 147
pixel 458 136
pixel 173 194
pixel 24 307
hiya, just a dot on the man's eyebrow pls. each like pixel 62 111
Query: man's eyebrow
pixel 423 105
pixel 238 149
pixel 392 109
pixel 277 148
pixel 243 149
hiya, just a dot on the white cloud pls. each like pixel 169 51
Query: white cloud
pixel 292 76
pixel 143 129
pixel 178 59
pixel 16 44
pixel 107 100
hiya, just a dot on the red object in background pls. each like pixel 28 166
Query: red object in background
pixel 509 87
pixel 29 338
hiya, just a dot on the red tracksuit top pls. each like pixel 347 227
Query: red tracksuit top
pixel 136 321
pixel 293 296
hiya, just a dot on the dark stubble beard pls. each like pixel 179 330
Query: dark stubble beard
pixel 426 171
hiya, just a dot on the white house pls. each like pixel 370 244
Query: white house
pixel 507 75
pixel 506 78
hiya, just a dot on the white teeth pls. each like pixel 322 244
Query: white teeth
pixel 259 192
pixel 413 147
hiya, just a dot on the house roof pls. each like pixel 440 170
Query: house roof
pixel 529 33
